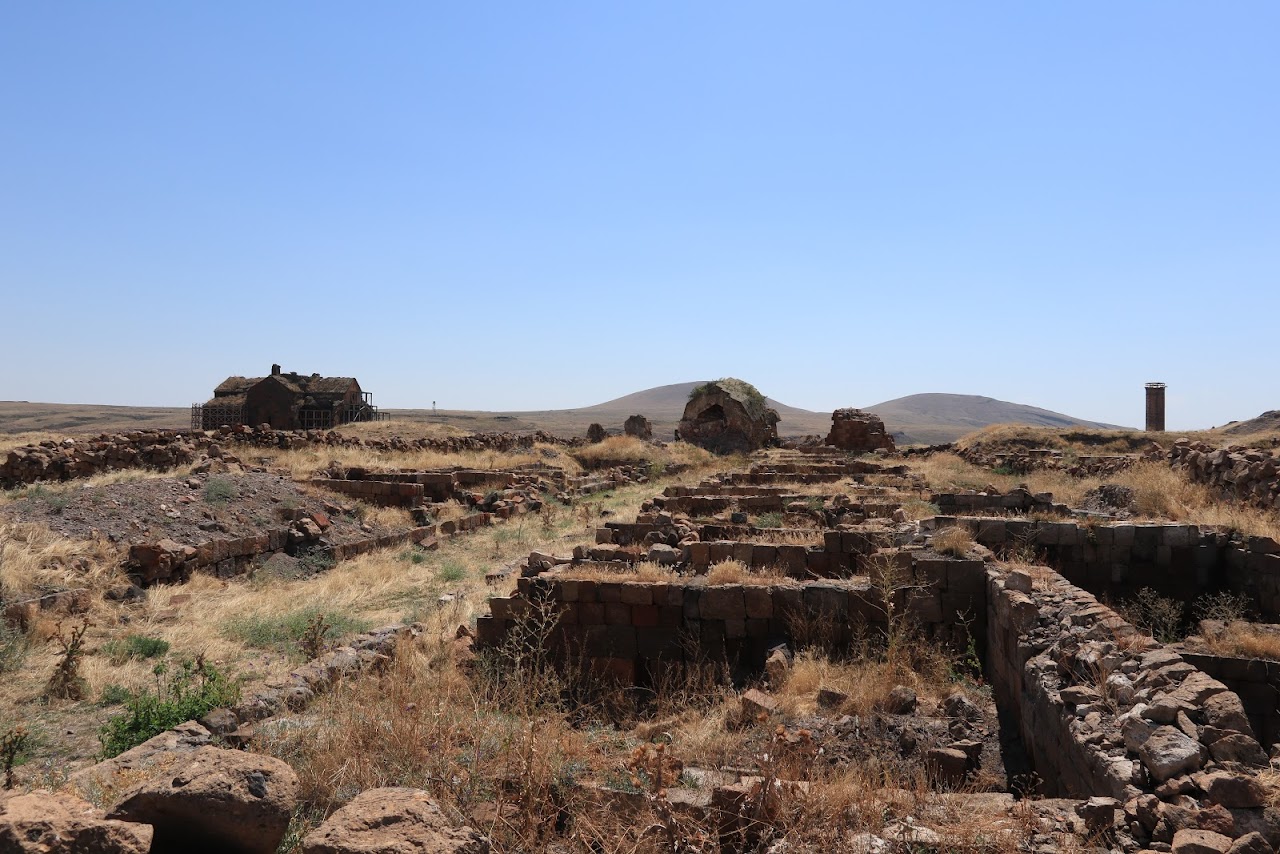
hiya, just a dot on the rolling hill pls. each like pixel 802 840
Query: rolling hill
pixel 935 418
pixel 916 419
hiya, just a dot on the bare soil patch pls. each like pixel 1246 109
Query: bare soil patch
pixel 191 509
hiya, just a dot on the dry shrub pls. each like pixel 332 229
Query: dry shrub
pixel 495 752
pixel 957 542
pixel 728 572
pixel 737 572
pixel 394 518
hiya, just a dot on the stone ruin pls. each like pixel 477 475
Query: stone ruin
pixel 596 434
pixel 638 426
pixel 855 430
pixel 1159 746
pixel 728 416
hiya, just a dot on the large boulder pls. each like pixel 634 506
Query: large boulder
pixel 214 800
pixel 122 771
pixel 45 822
pixel 392 821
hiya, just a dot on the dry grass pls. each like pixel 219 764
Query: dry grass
pixel 34 560
pixel 642 571
pixel 380 588
pixel 1160 492
pixel 1245 640
pixel 632 451
pixel 957 542
pixel 304 462
pixel 737 572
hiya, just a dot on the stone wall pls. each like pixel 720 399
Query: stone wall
pixel 623 627
pixel 167 560
pixel 382 493
pixel 1014 501
pixel 855 430
pixel 73 458
pixel 1251 475
pixel 1254 680
pixel 1104 710
pixel 1178 560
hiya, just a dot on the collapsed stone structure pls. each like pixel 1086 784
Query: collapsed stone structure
pixel 1245 474
pixel 728 416
pixel 639 427
pixel 855 430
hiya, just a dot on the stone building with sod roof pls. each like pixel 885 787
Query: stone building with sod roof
pixel 286 401
pixel 727 416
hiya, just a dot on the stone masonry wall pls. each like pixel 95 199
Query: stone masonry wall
pixel 1178 560
pixel 1104 710
pixel 624 627
pixel 1251 475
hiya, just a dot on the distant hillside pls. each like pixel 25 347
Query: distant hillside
pixel 1267 423
pixel 663 406
pixel 917 419
pixel 20 416
pixel 936 418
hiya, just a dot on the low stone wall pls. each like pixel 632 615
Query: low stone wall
pixel 382 493
pixel 1014 501
pixel 1254 680
pixel 167 560
pixel 74 458
pixel 1103 710
pixel 626 627
pixel 1178 560
pixel 160 449
pixel 1251 475
pixel 1025 461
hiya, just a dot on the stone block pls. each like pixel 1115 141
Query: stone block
pixel 821 600
pixel 723 603
pixel 787 601
pixel 644 615
pixel 617 614
pixel 658 642
pixel 700 554
pixel 931 572
pixel 591 613
pixel 719 552
pixel 759 601
pixel 692 603
pixel 636 593
pixel 966 576
pixel 763 555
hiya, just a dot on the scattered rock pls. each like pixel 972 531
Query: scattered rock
pixel 392 821
pixel 239 802
pixel 1168 752
pixel 901 701
pixel 44 822
pixel 946 765
pixel 1200 842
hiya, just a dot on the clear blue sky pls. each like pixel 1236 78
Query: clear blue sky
pixel 545 205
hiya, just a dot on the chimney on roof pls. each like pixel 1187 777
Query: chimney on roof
pixel 275 370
